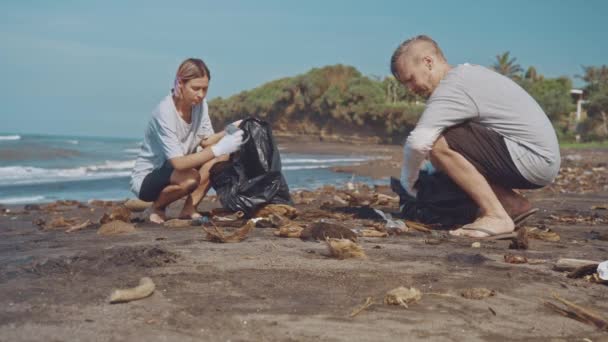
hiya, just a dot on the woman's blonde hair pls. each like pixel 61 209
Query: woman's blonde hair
pixel 190 69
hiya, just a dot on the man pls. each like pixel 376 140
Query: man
pixel 481 129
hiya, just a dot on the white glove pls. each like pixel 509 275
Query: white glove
pixel 228 144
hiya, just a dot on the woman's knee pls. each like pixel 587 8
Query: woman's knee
pixel 189 180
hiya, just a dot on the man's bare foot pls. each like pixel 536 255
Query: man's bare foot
pixel 158 216
pixel 493 224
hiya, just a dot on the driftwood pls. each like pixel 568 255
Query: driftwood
pixel 368 302
pixel 578 313
pixel 572 264
pixel 582 271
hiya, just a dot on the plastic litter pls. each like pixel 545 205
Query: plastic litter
pixel 390 223
pixel 602 270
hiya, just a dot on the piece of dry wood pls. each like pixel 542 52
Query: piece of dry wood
pixel 569 265
pixel 369 301
pixel 78 226
pixel 144 289
pixel 417 226
pixel 578 313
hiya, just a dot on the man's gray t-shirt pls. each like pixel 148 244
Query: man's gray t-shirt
pixel 169 136
pixel 472 92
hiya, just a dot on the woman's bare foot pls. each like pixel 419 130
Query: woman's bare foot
pixel 158 216
pixel 189 213
pixel 495 225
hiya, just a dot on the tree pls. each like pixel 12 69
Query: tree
pixel 506 65
pixel 531 74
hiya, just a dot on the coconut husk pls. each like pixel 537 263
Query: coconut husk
pixel 277 209
pixel 115 228
pixel 291 230
pixel 477 293
pixel 137 205
pixel 117 213
pixel 515 259
pixel 402 296
pixel 145 288
pixel 542 234
pixel 57 222
pixel 322 230
pixel 344 249
pixel 521 241
pixel 218 235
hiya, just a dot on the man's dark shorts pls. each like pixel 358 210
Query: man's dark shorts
pixel 487 151
pixel 155 182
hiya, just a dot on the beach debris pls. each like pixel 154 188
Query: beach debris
pixel 418 226
pixel 322 230
pixel 217 235
pixel 222 216
pixel 600 207
pixel 372 233
pixel 515 259
pixel 145 288
pixel 382 199
pixel 199 221
pixel 277 209
pixel 391 224
pixel 568 265
pixel 100 203
pixel 78 227
pixel 541 234
pixel 476 244
pixel 137 205
pixel 369 301
pixel 344 249
pixel 477 293
pixel 115 228
pixel 290 230
pixel 602 270
pixel 521 241
pixel 402 296
pixel 55 222
pixel 578 313
pixel 177 223
pixel 272 221
pixel 31 207
pixel 117 213
pixel 583 271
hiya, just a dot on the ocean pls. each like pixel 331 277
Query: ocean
pixel 42 168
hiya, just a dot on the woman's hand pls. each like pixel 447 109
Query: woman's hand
pixel 228 144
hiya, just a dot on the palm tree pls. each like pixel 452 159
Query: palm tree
pixel 506 66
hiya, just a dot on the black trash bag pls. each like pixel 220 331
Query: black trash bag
pixel 438 201
pixel 252 177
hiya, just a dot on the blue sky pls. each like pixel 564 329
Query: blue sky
pixel 99 68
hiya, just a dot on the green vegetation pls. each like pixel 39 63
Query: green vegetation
pixel 333 101
pixel 338 102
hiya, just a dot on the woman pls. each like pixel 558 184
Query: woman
pixel 168 166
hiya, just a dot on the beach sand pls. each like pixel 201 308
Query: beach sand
pixel 56 285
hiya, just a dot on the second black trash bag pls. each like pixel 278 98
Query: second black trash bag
pixel 252 177
pixel 438 201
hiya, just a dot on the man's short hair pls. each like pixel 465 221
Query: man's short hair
pixel 403 49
